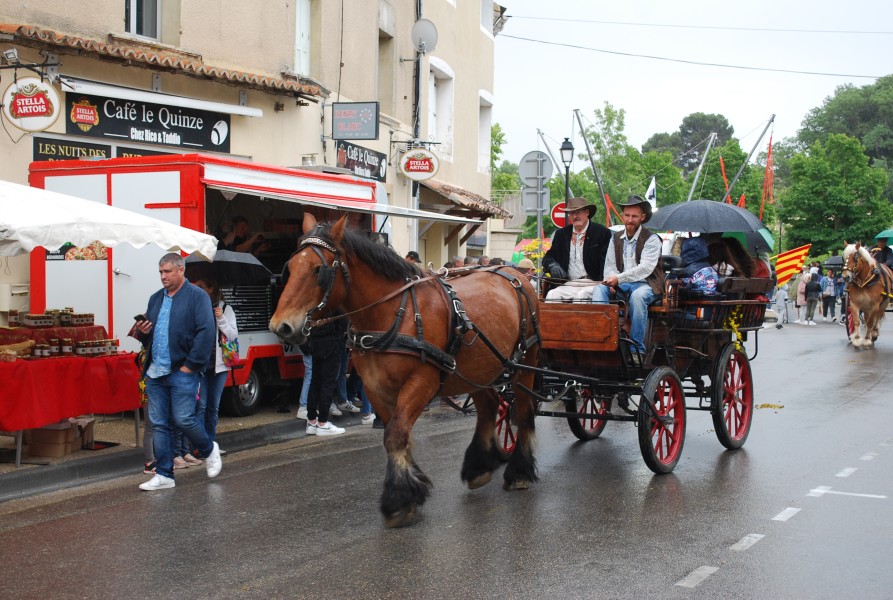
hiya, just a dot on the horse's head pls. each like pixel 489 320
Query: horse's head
pixel 316 281
pixel 857 262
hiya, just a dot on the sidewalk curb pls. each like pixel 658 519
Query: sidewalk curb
pixel 30 482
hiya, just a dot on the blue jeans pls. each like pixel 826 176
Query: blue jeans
pixel 355 389
pixel 208 408
pixel 171 406
pixel 640 296
pixel 308 375
pixel 341 383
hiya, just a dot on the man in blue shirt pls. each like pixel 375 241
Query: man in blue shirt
pixel 179 333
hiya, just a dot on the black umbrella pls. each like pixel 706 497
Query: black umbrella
pixel 834 262
pixel 704 216
pixel 229 268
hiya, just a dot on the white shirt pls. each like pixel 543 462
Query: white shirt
pixel 575 267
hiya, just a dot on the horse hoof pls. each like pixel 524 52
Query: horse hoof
pixel 401 518
pixel 480 481
pixel 516 485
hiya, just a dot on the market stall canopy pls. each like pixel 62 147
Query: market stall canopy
pixel 32 217
pixel 704 216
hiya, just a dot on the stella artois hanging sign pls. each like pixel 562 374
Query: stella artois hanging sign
pixel 419 164
pixel 31 104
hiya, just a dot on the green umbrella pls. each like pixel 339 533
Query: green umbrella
pixel 886 233
pixel 753 241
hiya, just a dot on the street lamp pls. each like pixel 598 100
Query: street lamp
pixel 567 157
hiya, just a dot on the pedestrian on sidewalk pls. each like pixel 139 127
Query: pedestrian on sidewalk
pixel 326 343
pixel 813 294
pixel 178 332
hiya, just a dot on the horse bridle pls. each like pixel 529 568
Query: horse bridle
pixel 854 272
pixel 327 273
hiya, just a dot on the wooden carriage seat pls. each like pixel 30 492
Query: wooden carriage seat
pixel 579 326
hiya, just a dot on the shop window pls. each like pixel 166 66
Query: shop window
pixel 386 72
pixel 440 106
pixel 143 18
pixel 302 37
pixel 487 16
pixel 485 121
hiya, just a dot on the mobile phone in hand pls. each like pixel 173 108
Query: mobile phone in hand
pixel 140 317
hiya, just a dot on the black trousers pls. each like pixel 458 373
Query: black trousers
pixel 326 355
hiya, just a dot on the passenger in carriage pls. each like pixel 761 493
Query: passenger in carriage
pixel 632 264
pixel 698 274
pixel 577 255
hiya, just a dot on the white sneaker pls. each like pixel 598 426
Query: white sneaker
pixel 348 407
pixel 797 321
pixel 302 413
pixel 311 428
pixel 329 429
pixel 333 410
pixel 213 462
pixel 824 319
pixel 367 419
pixel 159 482
pixel 811 322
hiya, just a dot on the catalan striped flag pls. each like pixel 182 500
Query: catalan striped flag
pixel 788 264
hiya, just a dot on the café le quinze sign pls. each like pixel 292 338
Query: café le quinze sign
pixel 31 104
pixel 146 123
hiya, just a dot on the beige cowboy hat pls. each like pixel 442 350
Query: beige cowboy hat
pixel 526 263
pixel 635 200
pixel 577 203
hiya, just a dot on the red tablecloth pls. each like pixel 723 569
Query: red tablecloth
pixel 15 335
pixel 34 393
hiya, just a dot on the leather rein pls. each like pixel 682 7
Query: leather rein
pixel 391 341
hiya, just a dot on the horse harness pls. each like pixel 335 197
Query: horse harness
pixel 391 341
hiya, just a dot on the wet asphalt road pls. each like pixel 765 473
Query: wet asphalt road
pixel 300 519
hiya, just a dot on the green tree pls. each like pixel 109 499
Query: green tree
pixel 664 142
pixel 834 195
pixel 504 177
pixel 693 133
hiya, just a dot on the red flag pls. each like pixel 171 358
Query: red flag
pixel 768 181
pixel 725 180
pixel 788 264
pixel 741 202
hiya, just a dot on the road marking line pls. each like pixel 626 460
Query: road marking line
pixel 747 541
pixel 868 456
pixel 824 489
pixel 697 576
pixel 786 514
pixel 847 472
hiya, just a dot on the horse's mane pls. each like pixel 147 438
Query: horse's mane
pixel 864 252
pixel 381 258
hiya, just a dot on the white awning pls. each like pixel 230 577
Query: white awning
pixel 94 88
pixel 352 205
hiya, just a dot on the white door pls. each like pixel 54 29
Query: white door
pixel 135 273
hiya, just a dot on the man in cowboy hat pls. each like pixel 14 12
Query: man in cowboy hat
pixel 577 255
pixel 633 265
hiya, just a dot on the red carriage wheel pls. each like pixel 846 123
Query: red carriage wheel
pixel 506 431
pixel 584 403
pixel 732 399
pixel 661 440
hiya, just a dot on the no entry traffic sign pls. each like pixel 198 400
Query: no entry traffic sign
pixel 558 216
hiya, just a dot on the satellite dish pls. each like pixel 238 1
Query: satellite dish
pixel 424 36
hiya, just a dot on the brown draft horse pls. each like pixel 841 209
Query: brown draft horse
pixel 405 362
pixel 869 285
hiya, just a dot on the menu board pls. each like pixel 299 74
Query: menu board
pixel 253 305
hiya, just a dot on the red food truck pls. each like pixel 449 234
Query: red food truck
pixel 204 193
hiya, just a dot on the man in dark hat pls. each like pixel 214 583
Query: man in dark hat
pixel 577 255
pixel 413 257
pixel 633 265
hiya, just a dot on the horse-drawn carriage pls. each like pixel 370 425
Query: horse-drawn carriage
pixel 694 350
pixel 418 335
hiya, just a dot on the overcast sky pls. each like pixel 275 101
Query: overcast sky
pixel 538 85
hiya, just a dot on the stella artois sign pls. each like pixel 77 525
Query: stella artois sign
pixel 31 104
pixel 419 164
